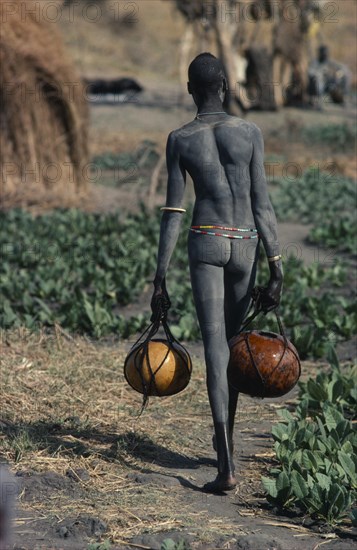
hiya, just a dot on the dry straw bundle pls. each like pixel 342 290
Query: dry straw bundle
pixel 43 128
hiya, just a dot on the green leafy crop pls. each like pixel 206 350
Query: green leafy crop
pixel 73 268
pixel 316 448
pixel 324 199
pixel 339 137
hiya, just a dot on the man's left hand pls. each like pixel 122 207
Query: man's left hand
pixel 160 302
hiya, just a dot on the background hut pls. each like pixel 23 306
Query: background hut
pixel 43 128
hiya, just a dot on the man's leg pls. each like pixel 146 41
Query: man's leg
pixel 208 291
pixel 239 280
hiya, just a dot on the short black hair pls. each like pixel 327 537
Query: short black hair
pixel 206 73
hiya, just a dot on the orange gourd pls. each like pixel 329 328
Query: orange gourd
pixel 158 367
pixel 263 364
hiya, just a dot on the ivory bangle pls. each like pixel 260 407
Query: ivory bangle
pixel 172 209
pixel 274 258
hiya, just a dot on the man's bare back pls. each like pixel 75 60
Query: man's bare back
pixel 225 158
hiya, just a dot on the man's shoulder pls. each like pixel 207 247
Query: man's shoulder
pixel 182 131
pixel 192 126
pixel 253 129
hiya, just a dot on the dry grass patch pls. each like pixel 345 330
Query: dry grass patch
pixel 68 413
pixel 67 409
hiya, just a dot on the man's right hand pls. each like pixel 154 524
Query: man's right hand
pixel 270 296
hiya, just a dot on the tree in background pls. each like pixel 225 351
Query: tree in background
pixel 263 45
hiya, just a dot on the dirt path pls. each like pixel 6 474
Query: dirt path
pixel 240 519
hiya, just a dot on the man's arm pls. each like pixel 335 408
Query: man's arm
pixel 263 211
pixel 265 219
pixel 171 220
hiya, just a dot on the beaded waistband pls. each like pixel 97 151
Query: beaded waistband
pixel 202 229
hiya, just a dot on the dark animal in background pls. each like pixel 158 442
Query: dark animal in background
pixel 115 86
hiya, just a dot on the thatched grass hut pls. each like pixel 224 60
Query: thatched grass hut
pixel 43 113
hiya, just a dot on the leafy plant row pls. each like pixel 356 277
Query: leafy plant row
pixel 340 137
pixel 79 270
pixel 316 448
pixel 74 269
pixel 314 313
pixel 335 386
pixel 144 156
pixel 325 200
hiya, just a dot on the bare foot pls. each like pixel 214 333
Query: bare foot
pixel 214 444
pixel 223 482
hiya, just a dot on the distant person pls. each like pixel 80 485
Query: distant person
pixel 224 155
pixel 328 77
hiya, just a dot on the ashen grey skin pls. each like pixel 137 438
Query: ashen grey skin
pixel 224 157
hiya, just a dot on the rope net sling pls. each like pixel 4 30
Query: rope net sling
pixel 246 335
pixel 141 350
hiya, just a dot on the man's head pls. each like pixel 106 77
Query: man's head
pixel 206 76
